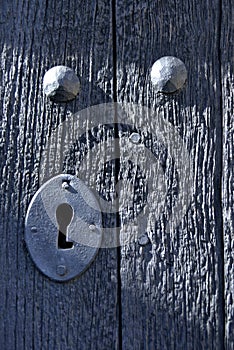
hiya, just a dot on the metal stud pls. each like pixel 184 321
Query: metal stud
pixel 61 84
pixel 168 74
pixel 135 138
pixel 61 270
pixel 143 239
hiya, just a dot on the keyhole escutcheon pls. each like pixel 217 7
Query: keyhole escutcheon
pixel 64 215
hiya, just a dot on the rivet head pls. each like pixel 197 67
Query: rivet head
pixel 143 239
pixel 92 228
pixel 65 185
pixel 61 84
pixel 34 229
pixel 61 270
pixel 135 138
pixel 168 74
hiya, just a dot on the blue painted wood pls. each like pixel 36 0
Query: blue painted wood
pixel 175 291
pixel 227 63
pixel 173 288
pixel 37 313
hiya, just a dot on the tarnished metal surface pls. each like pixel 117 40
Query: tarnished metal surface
pixel 168 74
pixel 61 84
pixel 83 228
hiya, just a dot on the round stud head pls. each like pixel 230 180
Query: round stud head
pixel 61 84
pixel 168 74
pixel 135 138
pixel 61 270
pixel 143 239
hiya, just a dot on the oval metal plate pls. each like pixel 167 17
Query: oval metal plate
pixel 84 230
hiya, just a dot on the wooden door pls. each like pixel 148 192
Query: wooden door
pixel 175 291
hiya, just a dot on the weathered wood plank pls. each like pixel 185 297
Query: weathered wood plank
pixel 37 313
pixel 227 63
pixel 172 288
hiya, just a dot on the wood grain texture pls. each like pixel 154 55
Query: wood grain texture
pixel 36 313
pixel 227 63
pixel 177 290
pixel 172 288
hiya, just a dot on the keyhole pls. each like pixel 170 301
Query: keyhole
pixel 64 214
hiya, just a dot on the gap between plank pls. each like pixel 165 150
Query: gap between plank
pixel 218 196
pixel 117 170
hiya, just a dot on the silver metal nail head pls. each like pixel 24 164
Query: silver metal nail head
pixel 168 74
pixel 143 239
pixel 135 138
pixel 61 84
